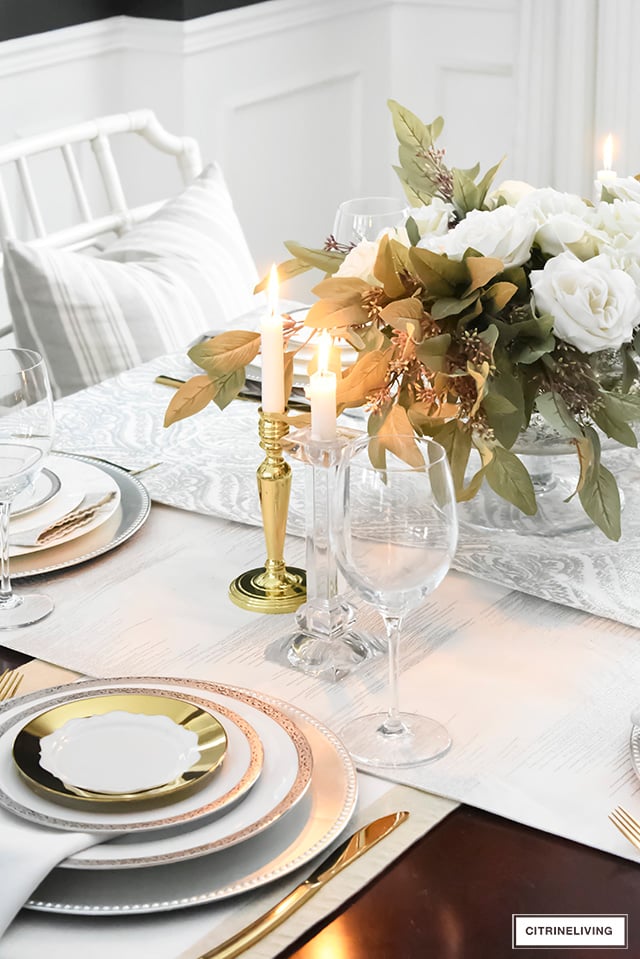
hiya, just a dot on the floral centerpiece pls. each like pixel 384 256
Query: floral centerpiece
pixel 488 305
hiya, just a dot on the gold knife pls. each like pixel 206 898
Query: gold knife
pixel 359 843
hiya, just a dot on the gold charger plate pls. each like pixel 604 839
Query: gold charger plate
pixel 211 742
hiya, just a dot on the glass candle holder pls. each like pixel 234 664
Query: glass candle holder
pixel 326 643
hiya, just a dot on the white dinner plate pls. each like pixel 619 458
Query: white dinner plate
pixel 305 832
pixel 79 479
pixel 45 486
pixel 286 773
pixel 130 515
pixel 41 761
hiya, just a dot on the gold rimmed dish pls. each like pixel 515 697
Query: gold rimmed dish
pixel 114 751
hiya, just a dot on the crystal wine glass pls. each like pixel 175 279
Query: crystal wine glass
pixel 364 218
pixel 394 547
pixel 26 435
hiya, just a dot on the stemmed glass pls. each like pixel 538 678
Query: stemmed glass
pixel 365 217
pixel 26 435
pixel 395 545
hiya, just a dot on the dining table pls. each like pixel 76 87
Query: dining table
pixel 529 651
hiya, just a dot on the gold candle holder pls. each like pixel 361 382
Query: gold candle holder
pixel 274 587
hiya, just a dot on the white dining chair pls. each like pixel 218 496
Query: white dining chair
pixel 97 134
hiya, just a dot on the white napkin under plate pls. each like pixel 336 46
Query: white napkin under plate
pixel 28 853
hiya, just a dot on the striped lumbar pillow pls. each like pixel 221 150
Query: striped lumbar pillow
pixel 185 270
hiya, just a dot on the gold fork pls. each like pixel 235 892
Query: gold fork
pixel 627 824
pixel 10 681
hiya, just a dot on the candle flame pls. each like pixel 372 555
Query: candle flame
pixel 324 351
pixel 272 291
pixel 607 152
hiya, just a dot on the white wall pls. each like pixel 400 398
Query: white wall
pixel 290 95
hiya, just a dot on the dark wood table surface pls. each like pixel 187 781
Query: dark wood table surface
pixel 452 894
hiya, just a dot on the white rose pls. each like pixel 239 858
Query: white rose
pixel 625 188
pixel 566 231
pixel 624 254
pixel 619 217
pixel 360 262
pixel 511 191
pixel 563 223
pixel 502 233
pixel 594 306
pixel 547 202
pixel 434 218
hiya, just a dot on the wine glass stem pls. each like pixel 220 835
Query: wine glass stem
pixel 6 594
pixel 393 725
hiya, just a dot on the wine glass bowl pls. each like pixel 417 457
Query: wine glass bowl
pixel 394 548
pixel 26 436
pixel 364 218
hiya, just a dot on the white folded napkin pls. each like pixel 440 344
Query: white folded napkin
pixel 76 518
pixel 28 853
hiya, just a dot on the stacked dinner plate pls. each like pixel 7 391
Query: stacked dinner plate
pixel 78 508
pixel 194 790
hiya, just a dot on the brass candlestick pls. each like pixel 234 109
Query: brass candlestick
pixel 274 587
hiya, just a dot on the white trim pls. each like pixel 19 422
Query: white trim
pixel 242 23
pixel 42 50
pixel 115 34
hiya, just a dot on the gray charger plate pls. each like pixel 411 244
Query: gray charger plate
pixel 132 512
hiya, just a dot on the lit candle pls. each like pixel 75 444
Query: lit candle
pixel 607 175
pixel 322 394
pixel 272 351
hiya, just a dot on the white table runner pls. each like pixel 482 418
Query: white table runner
pixel 209 464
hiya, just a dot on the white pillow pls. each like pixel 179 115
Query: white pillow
pixel 185 270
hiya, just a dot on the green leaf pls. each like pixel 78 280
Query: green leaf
pixel 504 388
pixel 466 195
pixel 348 289
pixel 487 180
pixel 408 308
pixel 624 406
pixel 433 352
pixel 507 477
pixel 286 271
pixel 452 306
pixel 630 372
pixel 227 352
pixel 390 261
pixel 417 195
pixel 607 418
pixel 440 274
pixel 328 261
pixel 190 398
pixel 600 500
pixel 456 441
pixel 229 387
pixel 412 231
pixel 555 411
pixel 410 130
pixel 330 314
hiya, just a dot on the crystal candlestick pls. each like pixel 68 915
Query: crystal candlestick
pixel 326 643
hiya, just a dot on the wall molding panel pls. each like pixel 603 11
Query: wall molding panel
pixel 290 95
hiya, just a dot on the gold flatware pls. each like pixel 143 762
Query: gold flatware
pixel 102 459
pixel 627 824
pixel 10 681
pixel 350 850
